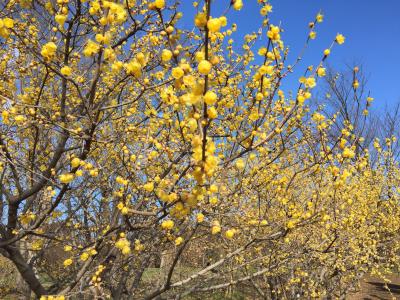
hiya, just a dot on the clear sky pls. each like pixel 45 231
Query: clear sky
pixel 371 28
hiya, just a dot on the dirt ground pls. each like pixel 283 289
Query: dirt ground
pixel 373 288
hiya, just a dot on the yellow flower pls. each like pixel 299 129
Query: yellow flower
pixel 4 25
pixel 212 112
pixel 109 54
pixel 66 71
pixel 37 245
pixel 91 48
pixel 266 9
pixel 84 256
pixel 310 82
pixel 348 153
pixel 274 33
pixel 213 188
pixel 149 187
pixel 117 66
pixel 5 114
pixel 4 32
pixel 119 14
pixel 126 250
pixel 238 4
pixel 321 72
pixel 134 68
pixel 318 118
pixel 192 124
pixel 122 244
pixel 339 39
pixel 67 248
pixel 213 201
pixel 259 96
pixel 216 228
pixel 290 224
pixel 177 72
pixel 66 178
pixel 313 35
pixel 327 52
pixel 178 241
pixel 223 20
pixel 160 4
pixel 19 119
pixel 214 25
pixel 8 23
pixel 210 97
pixel 67 262
pixel 168 224
pixel 49 50
pixel 166 55
pixel 60 19
pixel 320 18
pixel 325 217
pixel 240 164
pixel 200 217
pixel 229 233
pixel 75 162
pixel 99 38
pixel 204 67
pixel 121 180
pixel 138 245
pixel 200 20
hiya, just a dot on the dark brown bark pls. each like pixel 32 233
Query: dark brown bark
pixel 26 271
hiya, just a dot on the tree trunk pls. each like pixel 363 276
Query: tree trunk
pixel 26 271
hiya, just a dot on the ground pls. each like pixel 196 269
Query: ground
pixel 373 288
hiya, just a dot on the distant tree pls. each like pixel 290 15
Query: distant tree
pixel 389 128
pixel 344 96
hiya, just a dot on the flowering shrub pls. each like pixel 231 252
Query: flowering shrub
pixel 126 137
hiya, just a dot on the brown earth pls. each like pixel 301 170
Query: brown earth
pixel 373 288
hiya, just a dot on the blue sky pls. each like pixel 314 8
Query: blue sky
pixel 371 28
